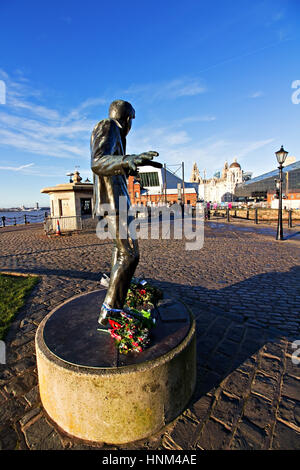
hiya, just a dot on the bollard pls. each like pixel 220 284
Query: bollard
pixel 256 216
pixel 3 220
pixel 247 214
pixel 290 221
pixel 15 221
pixel 25 219
pixel 228 214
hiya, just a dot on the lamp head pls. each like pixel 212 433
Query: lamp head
pixel 281 155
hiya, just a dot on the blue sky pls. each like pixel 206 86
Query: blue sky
pixel 210 81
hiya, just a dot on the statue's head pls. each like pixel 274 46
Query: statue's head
pixel 123 112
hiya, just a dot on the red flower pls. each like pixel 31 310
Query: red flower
pixel 142 291
pixel 114 335
pixel 114 324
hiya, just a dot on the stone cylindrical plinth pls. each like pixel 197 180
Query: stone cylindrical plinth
pixel 94 393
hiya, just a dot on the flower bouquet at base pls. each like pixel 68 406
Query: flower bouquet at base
pixel 131 329
pixel 141 295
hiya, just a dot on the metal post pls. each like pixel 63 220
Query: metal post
pixel 25 219
pixel 165 182
pixel 15 221
pixel 228 214
pixel 247 216
pixel 279 235
pixel 290 221
pixel 256 216
pixel 3 220
pixel 183 196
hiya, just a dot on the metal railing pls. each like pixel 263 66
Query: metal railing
pixel 6 221
pixel 257 215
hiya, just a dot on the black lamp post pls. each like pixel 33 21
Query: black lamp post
pixel 281 156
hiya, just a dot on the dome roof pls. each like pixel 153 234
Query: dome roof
pixel 235 164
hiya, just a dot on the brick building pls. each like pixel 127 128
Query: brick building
pixel 158 186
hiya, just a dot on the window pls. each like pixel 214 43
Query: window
pixel 136 195
pixel 86 206
pixel 149 179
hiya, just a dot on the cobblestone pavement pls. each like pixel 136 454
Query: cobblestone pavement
pixel 244 290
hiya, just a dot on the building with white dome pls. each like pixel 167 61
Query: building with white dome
pixel 221 187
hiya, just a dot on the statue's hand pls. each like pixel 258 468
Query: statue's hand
pixel 140 160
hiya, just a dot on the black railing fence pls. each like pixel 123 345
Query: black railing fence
pixel 21 219
pixel 256 215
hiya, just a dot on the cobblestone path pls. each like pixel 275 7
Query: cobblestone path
pixel 244 289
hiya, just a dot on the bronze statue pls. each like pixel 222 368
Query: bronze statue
pixel 111 166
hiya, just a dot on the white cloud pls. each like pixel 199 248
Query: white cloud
pixel 28 125
pixel 257 94
pixel 19 168
pixel 167 90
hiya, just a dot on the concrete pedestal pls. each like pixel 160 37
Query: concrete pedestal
pixel 94 393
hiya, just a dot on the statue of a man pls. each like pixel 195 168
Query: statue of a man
pixel 111 166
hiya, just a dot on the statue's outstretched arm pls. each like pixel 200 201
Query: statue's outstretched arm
pixel 105 162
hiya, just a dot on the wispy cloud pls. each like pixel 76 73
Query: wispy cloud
pixel 173 89
pixel 256 94
pixel 28 125
pixel 19 168
pixel 176 144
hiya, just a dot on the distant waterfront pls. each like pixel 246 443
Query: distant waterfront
pixel 12 217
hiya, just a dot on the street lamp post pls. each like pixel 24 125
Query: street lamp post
pixel 281 156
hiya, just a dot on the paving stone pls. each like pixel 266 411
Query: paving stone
pixel 291 387
pixel 227 409
pixel 208 383
pixel 33 396
pixel 24 364
pixel 8 438
pixel 21 385
pixel 248 437
pixel 214 436
pixel 259 412
pixel 229 348
pixel 285 437
pixel 29 416
pixel 41 436
pixel 183 433
pixel 289 411
pixel 265 386
pixel 11 410
pixel 237 383
pixel 275 349
pixel 271 366
pixel 201 408
pixel 235 333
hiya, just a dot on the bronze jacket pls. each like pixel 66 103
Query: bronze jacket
pixel 107 163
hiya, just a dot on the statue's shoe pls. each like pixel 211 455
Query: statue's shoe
pixel 103 320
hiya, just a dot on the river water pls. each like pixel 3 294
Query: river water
pixel 18 217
